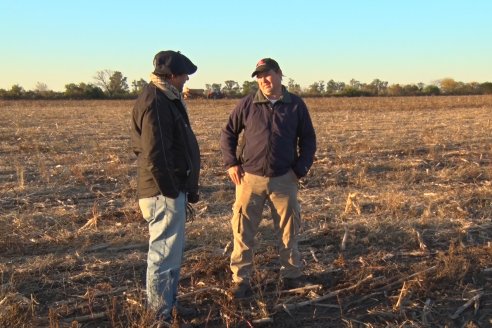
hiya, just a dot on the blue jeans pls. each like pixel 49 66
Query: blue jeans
pixel 166 217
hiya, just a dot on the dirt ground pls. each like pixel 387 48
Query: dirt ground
pixel 397 219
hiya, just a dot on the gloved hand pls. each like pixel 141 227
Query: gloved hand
pixel 193 197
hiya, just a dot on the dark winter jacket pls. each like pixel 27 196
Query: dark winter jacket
pixel 168 157
pixel 276 137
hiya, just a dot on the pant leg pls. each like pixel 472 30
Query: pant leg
pixel 247 212
pixel 166 218
pixel 287 221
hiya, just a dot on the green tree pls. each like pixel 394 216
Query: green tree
pixel 83 91
pixel 378 87
pixel 137 86
pixel 293 87
pixel 16 92
pixel 395 90
pixel 213 91
pixel 486 88
pixel 118 86
pixel 113 83
pixel 321 87
pixel 410 90
pixel 351 91
pixel 333 87
pixel 316 89
pixel 431 90
pixel 312 90
pixel 249 87
pixel 231 88
pixel 472 88
pixel 355 84
pixel 92 91
pixel 340 86
pixel 73 91
pixel 216 87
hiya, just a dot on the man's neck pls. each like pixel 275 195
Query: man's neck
pixel 274 95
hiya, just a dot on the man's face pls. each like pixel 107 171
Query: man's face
pixel 270 82
pixel 178 81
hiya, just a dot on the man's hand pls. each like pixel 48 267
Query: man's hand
pixel 236 173
pixel 193 197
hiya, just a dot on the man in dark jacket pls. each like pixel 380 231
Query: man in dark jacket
pixel 276 149
pixel 168 165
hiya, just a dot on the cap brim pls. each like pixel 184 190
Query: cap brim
pixel 189 67
pixel 260 69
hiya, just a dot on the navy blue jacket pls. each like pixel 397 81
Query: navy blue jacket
pixel 276 138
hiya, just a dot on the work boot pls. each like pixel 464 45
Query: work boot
pixel 241 290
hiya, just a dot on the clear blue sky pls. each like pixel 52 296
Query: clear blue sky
pixel 66 41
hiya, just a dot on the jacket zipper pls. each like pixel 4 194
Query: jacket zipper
pixel 270 125
pixel 187 149
pixel 187 155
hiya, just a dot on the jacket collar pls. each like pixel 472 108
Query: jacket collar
pixel 171 92
pixel 260 97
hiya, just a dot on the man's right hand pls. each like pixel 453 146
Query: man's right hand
pixel 236 173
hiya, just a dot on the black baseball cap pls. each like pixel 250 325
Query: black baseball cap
pixel 172 62
pixel 264 65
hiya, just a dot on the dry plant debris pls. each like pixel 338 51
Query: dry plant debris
pixel 397 213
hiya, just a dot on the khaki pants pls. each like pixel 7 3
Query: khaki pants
pixel 251 196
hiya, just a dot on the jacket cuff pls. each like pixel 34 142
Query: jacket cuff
pixel 171 194
pixel 299 172
pixel 229 165
pixel 193 197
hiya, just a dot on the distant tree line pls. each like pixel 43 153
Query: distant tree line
pixel 110 84
pixel 107 84
pixel 354 88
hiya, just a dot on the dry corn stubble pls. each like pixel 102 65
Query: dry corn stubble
pixel 420 167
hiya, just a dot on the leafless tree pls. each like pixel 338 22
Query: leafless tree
pixel 103 79
pixel 41 87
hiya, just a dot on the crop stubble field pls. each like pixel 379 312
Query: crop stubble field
pixel 396 213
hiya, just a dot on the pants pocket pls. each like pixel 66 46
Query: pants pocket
pixel 297 219
pixel 293 175
pixel 237 218
pixel 148 207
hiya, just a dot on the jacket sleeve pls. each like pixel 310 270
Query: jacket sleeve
pixel 230 134
pixel 157 133
pixel 306 138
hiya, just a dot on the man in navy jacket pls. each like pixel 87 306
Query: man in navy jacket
pixel 276 149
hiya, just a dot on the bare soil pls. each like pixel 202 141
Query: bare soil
pixel 397 219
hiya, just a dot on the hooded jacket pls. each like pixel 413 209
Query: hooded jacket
pixel 168 157
pixel 276 138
